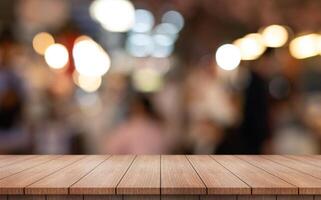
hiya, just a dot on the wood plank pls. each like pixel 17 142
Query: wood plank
pixel 143 177
pixel 306 183
pixel 64 197
pixel 312 160
pixel 179 177
pixel 180 197
pixel 59 182
pixel 8 160
pixel 296 197
pixel 104 179
pixel 23 165
pixel 297 165
pixel 30 197
pixel 103 197
pixel 217 179
pixel 142 197
pixel 218 197
pixel 16 183
pixel 257 197
pixel 259 180
pixel 3 197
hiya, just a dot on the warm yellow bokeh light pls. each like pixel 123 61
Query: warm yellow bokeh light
pixel 42 41
pixel 251 46
pixel 89 83
pixel 275 36
pixel 228 57
pixel 305 46
pixel 147 80
pixel 56 56
pixel 90 58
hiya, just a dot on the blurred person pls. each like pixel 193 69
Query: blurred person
pixel 140 133
pixel 13 134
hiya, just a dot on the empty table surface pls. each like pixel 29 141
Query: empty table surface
pixel 160 175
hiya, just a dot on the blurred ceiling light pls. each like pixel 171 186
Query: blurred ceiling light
pixel 175 18
pixel 113 15
pixel 163 46
pixel 275 36
pixel 147 80
pixel 56 56
pixel 42 41
pixel 305 46
pixel 167 29
pixel 144 21
pixel 251 46
pixel 139 45
pixel 228 57
pixel 90 58
pixel 89 83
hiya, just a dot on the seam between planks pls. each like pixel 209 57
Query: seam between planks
pixel 24 189
pixel 116 187
pixel 270 172
pixel 31 167
pixel 293 168
pixel 206 189
pixel 109 156
pixel 233 174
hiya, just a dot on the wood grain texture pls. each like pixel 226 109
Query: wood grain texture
pixel 143 177
pixel 257 197
pixel 259 180
pixel 307 184
pixel 297 165
pixel 23 165
pixel 16 183
pixel 179 177
pixel 296 197
pixel 141 197
pixel 64 197
pixel 217 179
pixel 30 197
pixel 102 197
pixel 8 160
pixel 218 197
pixel 104 178
pixel 59 182
pixel 180 197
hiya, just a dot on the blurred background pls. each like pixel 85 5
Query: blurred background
pixel 154 76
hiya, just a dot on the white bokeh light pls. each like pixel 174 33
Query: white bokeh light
pixel 228 57
pixel 144 21
pixel 139 45
pixel 305 46
pixel 113 15
pixel 175 18
pixel 90 58
pixel 56 56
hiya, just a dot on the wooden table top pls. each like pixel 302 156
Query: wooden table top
pixel 160 175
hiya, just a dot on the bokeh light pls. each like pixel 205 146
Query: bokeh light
pixel 147 79
pixel 89 83
pixel 175 18
pixel 56 56
pixel 139 45
pixel 90 58
pixel 163 46
pixel 113 15
pixel 251 46
pixel 228 57
pixel 42 41
pixel 275 36
pixel 144 21
pixel 305 46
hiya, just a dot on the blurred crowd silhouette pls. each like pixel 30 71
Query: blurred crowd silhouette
pixel 181 103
